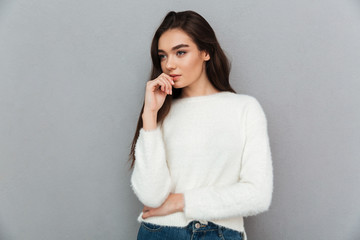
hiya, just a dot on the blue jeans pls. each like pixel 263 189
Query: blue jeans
pixel 194 230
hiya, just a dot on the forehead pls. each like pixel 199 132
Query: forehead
pixel 174 37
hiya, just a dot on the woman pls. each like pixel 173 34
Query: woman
pixel 201 153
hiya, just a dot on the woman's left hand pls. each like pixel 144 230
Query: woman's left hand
pixel 174 203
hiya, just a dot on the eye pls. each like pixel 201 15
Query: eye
pixel 181 53
pixel 161 57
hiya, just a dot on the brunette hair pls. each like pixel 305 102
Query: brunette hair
pixel 217 68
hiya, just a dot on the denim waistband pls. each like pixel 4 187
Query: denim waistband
pixel 197 226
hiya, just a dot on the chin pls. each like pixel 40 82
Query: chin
pixel 176 85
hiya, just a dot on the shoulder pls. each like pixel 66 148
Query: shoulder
pixel 243 99
pixel 248 106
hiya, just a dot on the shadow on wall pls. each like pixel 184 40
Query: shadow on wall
pixel 6 8
pixel 356 233
pixel 4 234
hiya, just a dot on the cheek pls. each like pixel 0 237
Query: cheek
pixel 193 64
pixel 162 65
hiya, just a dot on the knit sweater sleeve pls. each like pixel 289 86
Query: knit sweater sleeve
pixel 150 179
pixel 252 193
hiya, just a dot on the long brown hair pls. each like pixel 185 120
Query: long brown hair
pixel 217 68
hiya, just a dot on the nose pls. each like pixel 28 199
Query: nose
pixel 170 64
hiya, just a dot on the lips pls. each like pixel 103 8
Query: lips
pixel 175 76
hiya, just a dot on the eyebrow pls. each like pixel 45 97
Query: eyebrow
pixel 175 48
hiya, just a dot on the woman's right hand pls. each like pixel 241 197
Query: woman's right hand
pixel 156 91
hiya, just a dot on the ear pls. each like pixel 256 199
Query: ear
pixel 205 55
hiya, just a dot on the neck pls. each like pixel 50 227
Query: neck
pixel 200 87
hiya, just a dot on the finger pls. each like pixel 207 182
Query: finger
pixel 168 85
pixel 170 80
pixel 157 84
pixel 154 85
pixel 168 77
pixel 165 85
pixel 162 82
pixel 146 214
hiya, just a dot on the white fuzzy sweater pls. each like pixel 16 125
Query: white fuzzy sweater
pixel 215 150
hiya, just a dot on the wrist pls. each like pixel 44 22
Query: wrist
pixel 149 120
pixel 147 111
pixel 180 202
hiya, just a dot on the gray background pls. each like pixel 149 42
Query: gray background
pixel 73 77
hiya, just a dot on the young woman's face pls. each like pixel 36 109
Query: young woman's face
pixel 180 56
